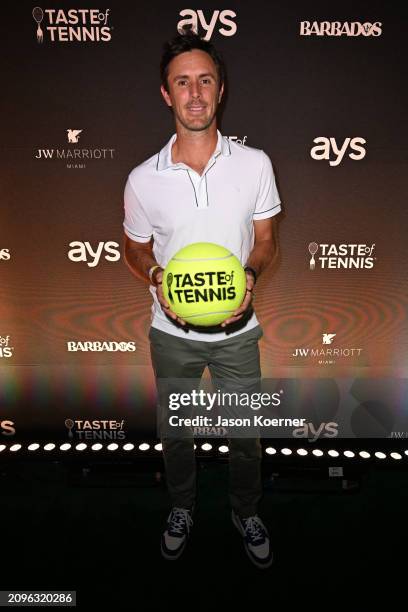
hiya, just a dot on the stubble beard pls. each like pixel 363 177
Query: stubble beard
pixel 194 127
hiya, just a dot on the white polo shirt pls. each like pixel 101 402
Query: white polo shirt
pixel 176 206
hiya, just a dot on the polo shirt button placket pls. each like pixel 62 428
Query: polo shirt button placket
pixel 202 192
pixel 199 184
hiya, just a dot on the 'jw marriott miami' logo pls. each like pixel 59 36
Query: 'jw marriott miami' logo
pixel 326 356
pixel 76 157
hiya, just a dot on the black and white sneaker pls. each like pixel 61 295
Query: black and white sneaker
pixel 174 539
pixel 256 539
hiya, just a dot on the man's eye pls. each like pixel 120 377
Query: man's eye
pixel 181 82
pixel 206 81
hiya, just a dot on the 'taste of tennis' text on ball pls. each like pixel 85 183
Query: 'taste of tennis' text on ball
pixel 204 284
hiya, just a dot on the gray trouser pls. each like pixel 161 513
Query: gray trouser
pixel 235 358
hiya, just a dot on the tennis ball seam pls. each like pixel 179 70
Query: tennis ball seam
pixel 178 259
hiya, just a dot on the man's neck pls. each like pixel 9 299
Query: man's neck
pixel 194 148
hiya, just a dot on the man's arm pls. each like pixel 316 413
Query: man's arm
pixel 139 259
pixel 265 251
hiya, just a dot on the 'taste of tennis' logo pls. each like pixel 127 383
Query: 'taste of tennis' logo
pixel 72 25
pixel 341 256
pixel 96 429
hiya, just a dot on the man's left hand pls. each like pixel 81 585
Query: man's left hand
pixel 239 313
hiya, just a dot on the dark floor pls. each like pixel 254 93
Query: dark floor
pixel 99 534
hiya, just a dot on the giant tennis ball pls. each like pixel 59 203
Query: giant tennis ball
pixel 204 283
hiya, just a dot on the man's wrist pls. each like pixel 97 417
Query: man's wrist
pixel 252 271
pixel 153 271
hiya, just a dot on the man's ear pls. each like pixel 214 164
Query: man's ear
pixel 220 93
pixel 166 96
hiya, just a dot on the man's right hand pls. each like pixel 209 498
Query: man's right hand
pixel 139 258
pixel 158 283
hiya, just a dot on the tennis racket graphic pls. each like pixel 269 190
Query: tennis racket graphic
pixel 38 17
pixel 313 248
pixel 169 283
pixel 69 423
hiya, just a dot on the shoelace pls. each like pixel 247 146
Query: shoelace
pixel 254 528
pixel 179 520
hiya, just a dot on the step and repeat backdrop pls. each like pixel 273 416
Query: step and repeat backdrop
pixel 321 88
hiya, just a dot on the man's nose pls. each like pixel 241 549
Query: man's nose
pixel 195 89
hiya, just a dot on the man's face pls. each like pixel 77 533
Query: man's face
pixel 194 92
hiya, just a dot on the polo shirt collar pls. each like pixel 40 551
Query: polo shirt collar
pixel 164 160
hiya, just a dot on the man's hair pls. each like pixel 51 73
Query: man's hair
pixel 187 41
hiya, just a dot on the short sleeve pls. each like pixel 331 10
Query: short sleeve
pixel 136 224
pixel 268 202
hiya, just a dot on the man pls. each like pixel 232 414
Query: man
pixel 203 188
